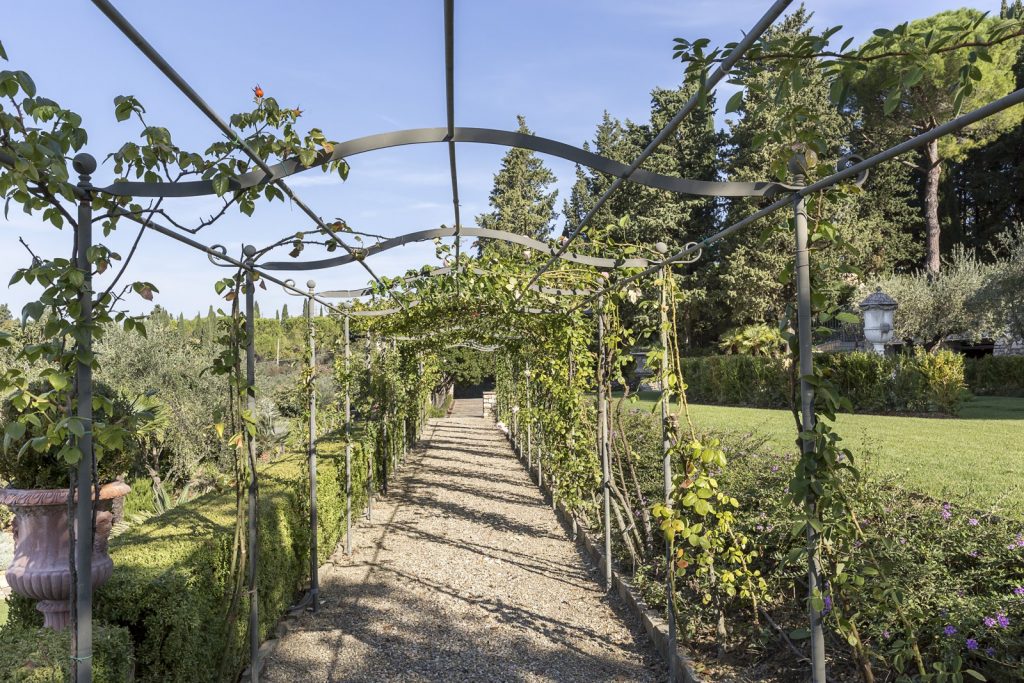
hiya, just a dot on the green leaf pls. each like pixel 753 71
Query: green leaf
pixel 847 317
pixel 73 455
pixel 220 185
pixel 912 77
pixel 735 102
pixel 15 430
pixel 75 427
pixel 892 100
pixel 975 675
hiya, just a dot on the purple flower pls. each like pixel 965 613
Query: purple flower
pixel 990 651
pixel 972 644
pixel 972 521
pixel 886 634
pixel 1002 620
pixel 973 553
pixel 1019 591
pixel 947 510
pixel 990 622
pixel 828 605
pixel 1017 542
pixel 950 630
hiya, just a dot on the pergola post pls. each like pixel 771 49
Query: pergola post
pixel 84 164
pixel 314 567
pixel 370 456
pixel 803 300
pixel 348 442
pixel 666 467
pixel 515 413
pixel 602 446
pixel 253 497
pixel 528 418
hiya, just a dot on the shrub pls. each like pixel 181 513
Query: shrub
pixel 923 382
pixel 170 586
pixel 29 458
pixel 951 566
pixel 37 655
pixel 995 375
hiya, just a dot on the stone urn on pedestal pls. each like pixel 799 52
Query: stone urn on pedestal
pixel 40 569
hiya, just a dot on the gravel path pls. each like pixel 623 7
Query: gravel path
pixel 463 575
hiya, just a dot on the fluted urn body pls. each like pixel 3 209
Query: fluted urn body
pixel 40 569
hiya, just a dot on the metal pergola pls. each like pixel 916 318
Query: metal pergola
pixel 784 195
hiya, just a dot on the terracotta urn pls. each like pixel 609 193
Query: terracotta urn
pixel 40 569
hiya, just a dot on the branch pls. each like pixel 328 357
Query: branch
pixel 857 57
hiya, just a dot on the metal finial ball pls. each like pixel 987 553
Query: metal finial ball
pixel 311 284
pixel 84 164
pixel 249 250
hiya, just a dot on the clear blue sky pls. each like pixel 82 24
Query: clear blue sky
pixel 358 68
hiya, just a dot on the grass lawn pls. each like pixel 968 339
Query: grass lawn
pixel 977 458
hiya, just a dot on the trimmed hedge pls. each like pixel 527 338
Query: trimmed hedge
pixel 171 583
pixel 38 655
pixel 922 382
pixel 995 375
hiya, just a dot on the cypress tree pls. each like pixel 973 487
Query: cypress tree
pixel 520 198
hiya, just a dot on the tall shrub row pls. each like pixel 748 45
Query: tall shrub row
pixel 922 382
pixel 995 375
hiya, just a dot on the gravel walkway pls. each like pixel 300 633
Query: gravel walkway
pixel 463 575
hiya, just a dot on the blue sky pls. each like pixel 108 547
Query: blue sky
pixel 357 68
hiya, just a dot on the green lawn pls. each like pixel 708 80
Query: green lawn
pixel 977 458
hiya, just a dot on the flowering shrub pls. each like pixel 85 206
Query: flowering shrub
pixel 958 573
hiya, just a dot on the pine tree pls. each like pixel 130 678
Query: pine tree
pixel 256 310
pixel 520 198
pixel 284 312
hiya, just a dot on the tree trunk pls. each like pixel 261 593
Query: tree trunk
pixel 933 170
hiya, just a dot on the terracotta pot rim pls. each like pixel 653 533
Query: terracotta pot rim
pixel 30 497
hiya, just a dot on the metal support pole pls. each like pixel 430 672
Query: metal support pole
pixel 529 420
pixel 85 165
pixel 666 466
pixel 803 297
pixel 371 463
pixel 602 447
pixel 314 564
pixel 348 445
pixel 250 378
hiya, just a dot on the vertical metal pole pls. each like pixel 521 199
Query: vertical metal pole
pixel 529 419
pixel 803 298
pixel 602 446
pixel 666 466
pixel 371 463
pixel 515 410
pixel 348 445
pixel 314 563
pixel 85 165
pixel 250 378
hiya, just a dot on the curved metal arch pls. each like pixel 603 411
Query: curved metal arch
pixel 424 235
pixel 488 136
pixel 436 272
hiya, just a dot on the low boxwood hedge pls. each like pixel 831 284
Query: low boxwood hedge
pixel 38 655
pixel 171 584
pixel 170 588
pixel 922 382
